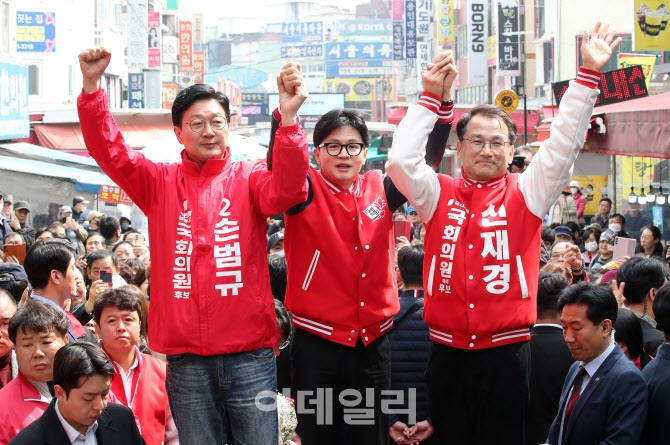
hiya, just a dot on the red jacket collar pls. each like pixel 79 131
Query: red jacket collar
pixel 211 168
pixel 493 183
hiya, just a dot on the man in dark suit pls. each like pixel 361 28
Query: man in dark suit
pixel 550 359
pixel 82 375
pixel 604 398
pixel 641 278
pixel 657 375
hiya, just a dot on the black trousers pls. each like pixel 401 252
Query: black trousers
pixel 326 374
pixel 479 397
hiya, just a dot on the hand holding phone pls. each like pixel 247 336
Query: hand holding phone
pixel 105 276
pixel 139 239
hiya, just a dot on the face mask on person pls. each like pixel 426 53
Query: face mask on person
pixel 591 246
pixel 125 226
pixel 83 207
pixel 616 228
pixel 574 190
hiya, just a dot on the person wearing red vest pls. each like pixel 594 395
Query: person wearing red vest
pixel 482 250
pixel 139 380
pixel 340 253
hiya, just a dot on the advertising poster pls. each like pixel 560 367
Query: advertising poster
pixel 410 29
pixel 398 40
pixel 302 32
pixel 354 89
pixel 645 61
pixel 198 66
pixel 423 13
pixel 136 90
pixel 185 46
pixel 154 40
pixel 170 91
pixel 170 43
pixel 35 31
pixel 14 117
pixel 477 27
pixel 650 19
pixel 138 24
pixel 592 187
pixel 508 59
pixel 445 21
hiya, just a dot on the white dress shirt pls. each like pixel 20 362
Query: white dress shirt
pixel 76 438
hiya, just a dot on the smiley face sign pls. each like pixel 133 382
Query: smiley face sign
pixel 507 100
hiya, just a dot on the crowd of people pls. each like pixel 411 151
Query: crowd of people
pixel 287 308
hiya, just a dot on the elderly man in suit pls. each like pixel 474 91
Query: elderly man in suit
pixel 604 397
pixel 79 411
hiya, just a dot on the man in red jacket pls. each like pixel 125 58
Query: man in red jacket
pixel 480 276
pixel 211 310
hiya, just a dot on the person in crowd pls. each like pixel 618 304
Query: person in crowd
pixel 478 261
pixel 278 283
pixel 125 224
pixel 7 208
pixel 527 152
pixel 38 331
pixel 617 224
pixel 563 234
pixel 5 228
pixel 577 233
pixel 557 268
pixel 591 238
pixel 276 243
pixel 579 199
pixel 563 210
pixel 139 380
pixel 19 223
pixel 604 397
pixel 410 347
pixel 399 215
pixel 50 267
pixel 605 252
pixel 636 219
pixel 79 204
pixel 79 412
pixel 94 218
pixel 341 288
pixel 123 251
pixel 650 240
pixel 130 269
pixel 12 239
pixel 207 220
pixel 602 218
pixel 94 242
pixel 413 217
pixel 9 367
pixel 13 280
pixel 97 261
pixel 75 233
pixel 640 279
pixel 58 230
pixel 139 248
pixel 81 288
pixel 628 335
pixel 550 359
pixel 285 330
pixel 110 229
pixel 657 375
pixel 278 280
pixel 548 237
pixel 45 232
pixel 567 254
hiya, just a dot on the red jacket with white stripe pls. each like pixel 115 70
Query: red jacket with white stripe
pixel 211 286
pixel 483 239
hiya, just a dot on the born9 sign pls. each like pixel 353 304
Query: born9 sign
pixel 615 86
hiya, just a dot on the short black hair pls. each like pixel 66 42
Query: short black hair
pixel 602 304
pixel 41 230
pixel 588 232
pixel 619 215
pixel 641 275
pixel 338 118
pixel 549 288
pixel 80 359
pixel 14 288
pixel 487 111
pixel 120 297
pixel 548 235
pixel 194 93
pixel 410 264
pixel 278 279
pixel 47 255
pixel 524 149
pixel 121 243
pixel 661 309
pixel 284 325
pixel 37 317
pixel 576 229
pixel 91 234
pixel 609 201
pixel 109 225
pixel 628 330
pixel 100 254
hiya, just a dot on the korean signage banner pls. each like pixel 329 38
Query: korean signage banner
pixel 410 28
pixel 477 26
pixel 138 23
pixel 650 21
pixel 14 117
pixel 136 90
pixel 185 46
pixel 645 61
pixel 352 30
pixel 397 9
pixel 170 47
pixel 199 66
pixel 508 45
pixel 354 89
pixel 154 40
pixel 300 51
pixel 198 28
pixel 359 51
pixel 36 32
pixel 398 40
pixel 302 32
pixel 359 68
pixel 423 14
pixel 113 195
pixel 445 21
pixel 170 91
pixel 256 104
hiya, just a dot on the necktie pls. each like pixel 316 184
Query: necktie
pixel 576 387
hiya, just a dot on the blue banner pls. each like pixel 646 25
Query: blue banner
pixel 302 32
pixel 398 40
pixel 359 51
pixel 35 31
pixel 359 68
pixel 410 27
pixel 299 51
pixel 14 117
pixel 136 90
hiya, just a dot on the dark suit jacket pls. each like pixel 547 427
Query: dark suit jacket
pixel 652 338
pixel 550 361
pixel 611 409
pixel 116 425
pixel 657 375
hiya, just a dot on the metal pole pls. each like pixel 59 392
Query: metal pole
pixel 525 117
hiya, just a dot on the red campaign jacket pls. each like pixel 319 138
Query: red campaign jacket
pixel 341 268
pixel 20 405
pixel 149 400
pixel 210 288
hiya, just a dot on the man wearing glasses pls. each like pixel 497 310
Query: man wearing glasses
pixel 207 229
pixel 482 250
pixel 340 248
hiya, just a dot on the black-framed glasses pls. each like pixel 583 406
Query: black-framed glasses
pixel 198 125
pixel 334 149
pixel 479 144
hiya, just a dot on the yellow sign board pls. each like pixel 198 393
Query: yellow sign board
pixel 507 100
pixel 645 61
pixel 591 187
pixel 445 23
pixel 358 89
pixel 651 25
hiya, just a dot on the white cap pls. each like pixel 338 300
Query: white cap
pixel 574 184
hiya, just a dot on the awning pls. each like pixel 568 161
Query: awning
pixel 69 137
pixel 544 128
pixel 35 152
